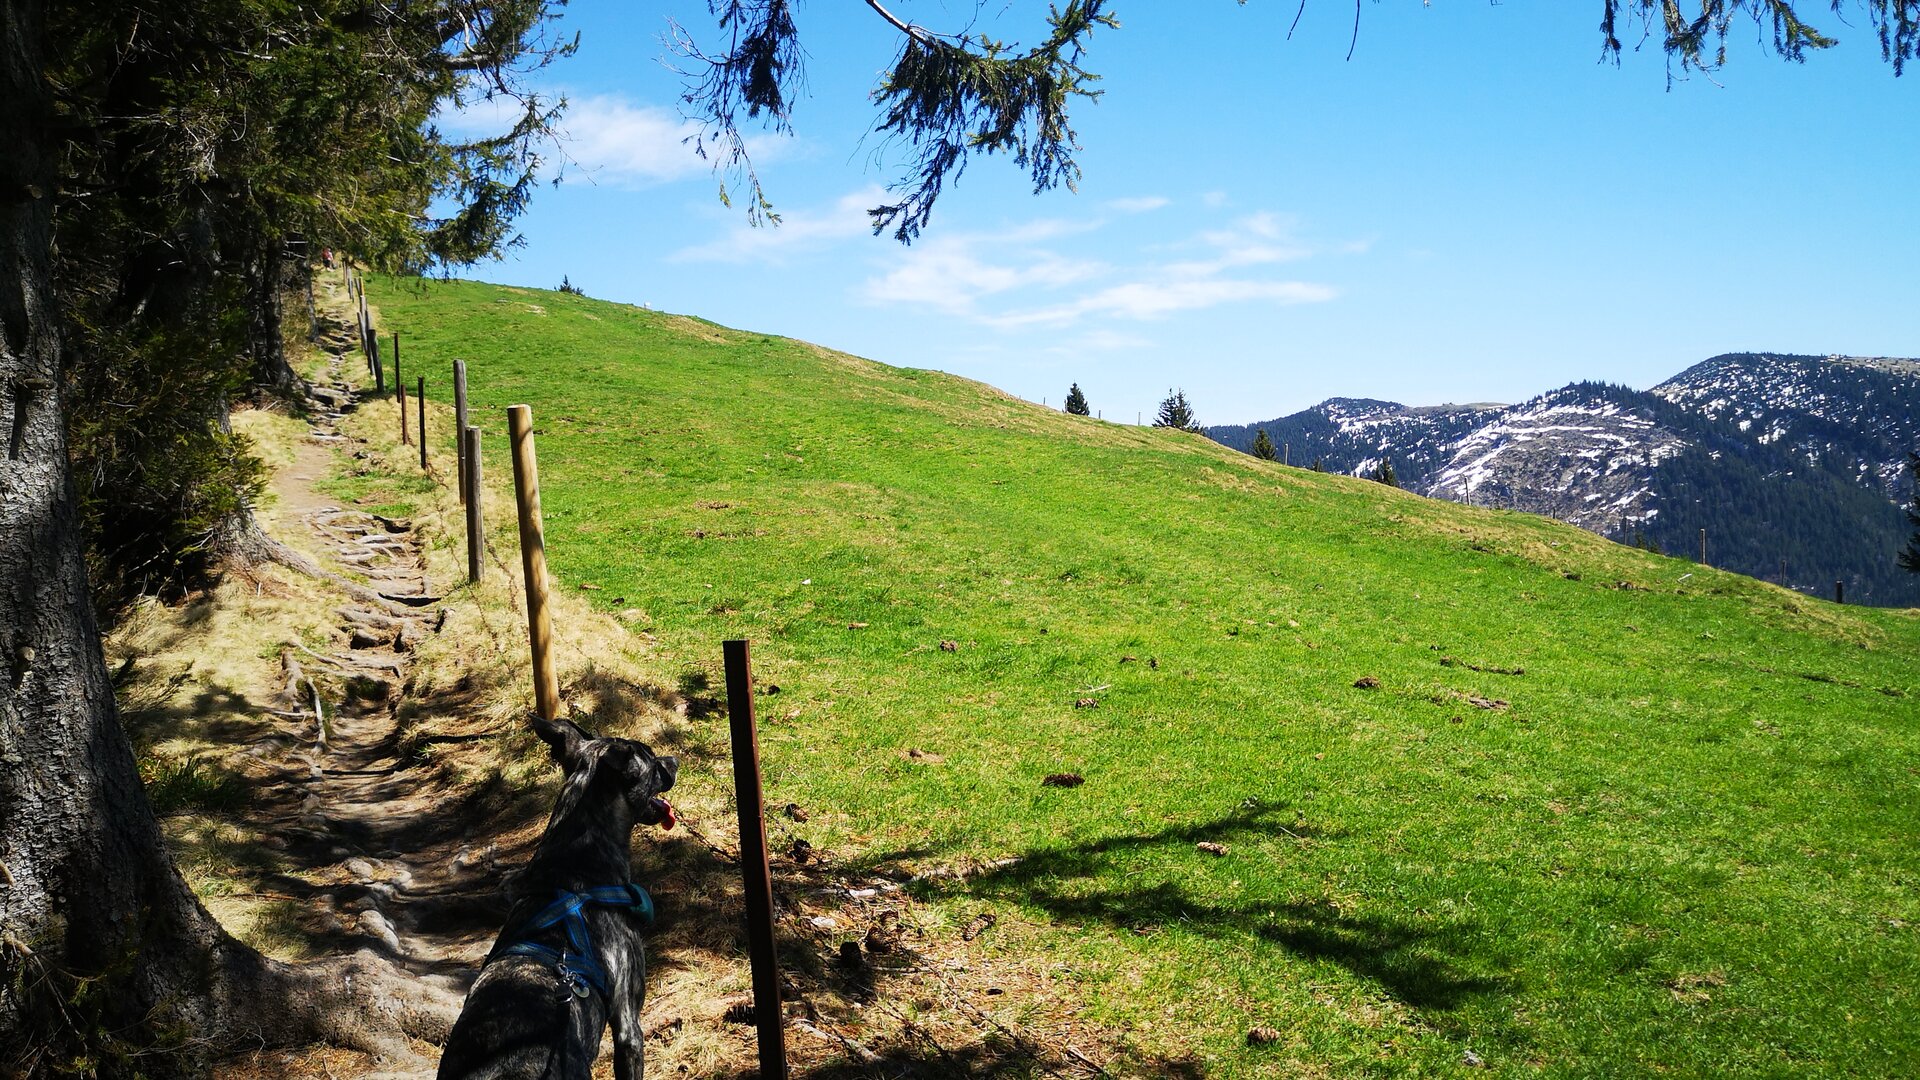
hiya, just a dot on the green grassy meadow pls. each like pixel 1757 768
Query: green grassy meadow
pixel 1686 846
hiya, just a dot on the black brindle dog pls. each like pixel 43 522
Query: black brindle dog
pixel 571 960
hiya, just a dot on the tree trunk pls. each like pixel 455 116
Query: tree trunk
pixel 87 886
pixel 87 889
pixel 266 278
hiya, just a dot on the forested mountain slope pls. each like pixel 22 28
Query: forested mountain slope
pixel 1795 465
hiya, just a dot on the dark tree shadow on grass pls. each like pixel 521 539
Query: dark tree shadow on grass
pixel 1417 960
pixel 988 1058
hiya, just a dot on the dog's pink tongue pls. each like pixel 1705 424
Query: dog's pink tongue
pixel 667 816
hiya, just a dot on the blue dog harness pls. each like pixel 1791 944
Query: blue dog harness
pixel 578 965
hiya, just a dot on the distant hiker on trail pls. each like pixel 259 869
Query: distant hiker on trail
pixel 326 258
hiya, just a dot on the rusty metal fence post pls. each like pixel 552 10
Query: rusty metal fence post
pixel 767 1015
pixel 400 394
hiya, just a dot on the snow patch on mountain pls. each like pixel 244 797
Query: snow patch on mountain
pixel 1571 454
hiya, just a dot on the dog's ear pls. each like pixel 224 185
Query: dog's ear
pixel 563 739
pixel 652 773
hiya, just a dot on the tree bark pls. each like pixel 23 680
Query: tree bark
pixel 104 951
pixel 88 887
pixel 266 279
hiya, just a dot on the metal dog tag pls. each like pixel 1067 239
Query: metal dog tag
pixel 574 982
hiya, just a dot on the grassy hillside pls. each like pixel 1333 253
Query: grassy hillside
pixel 1684 844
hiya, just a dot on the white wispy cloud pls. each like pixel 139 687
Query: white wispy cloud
pixel 1256 240
pixel 1138 205
pixel 949 273
pixel 1031 274
pixel 610 138
pixel 479 115
pixel 1160 290
pixel 619 142
pixel 798 231
pixel 1094 341
pixel 1157 299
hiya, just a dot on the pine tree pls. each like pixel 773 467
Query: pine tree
pixel 1263 447
pixel 1077 402
pixel 1176 413
pixel 1910 555
pixel 1385 475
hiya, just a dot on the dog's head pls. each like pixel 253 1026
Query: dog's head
pixel 608 768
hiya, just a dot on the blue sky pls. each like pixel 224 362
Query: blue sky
pixel 1474 208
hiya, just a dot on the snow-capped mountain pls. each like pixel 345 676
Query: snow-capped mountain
pixel 1353 435
pixel 1794 465
pixel 1586 454
pixel 1863 411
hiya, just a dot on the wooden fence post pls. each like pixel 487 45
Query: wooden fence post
pixel 765 960
pixel 1286 454
pixel 1703 547
pixel 1839 592
pixel 373 350
pixel 533 560
pixel 420 405
pixel 400 395
pixel 460 422
pixel 476 544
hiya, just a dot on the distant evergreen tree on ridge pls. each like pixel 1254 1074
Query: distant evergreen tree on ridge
pixel 1263 447
pixel 1175 412
pixel 1077 402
